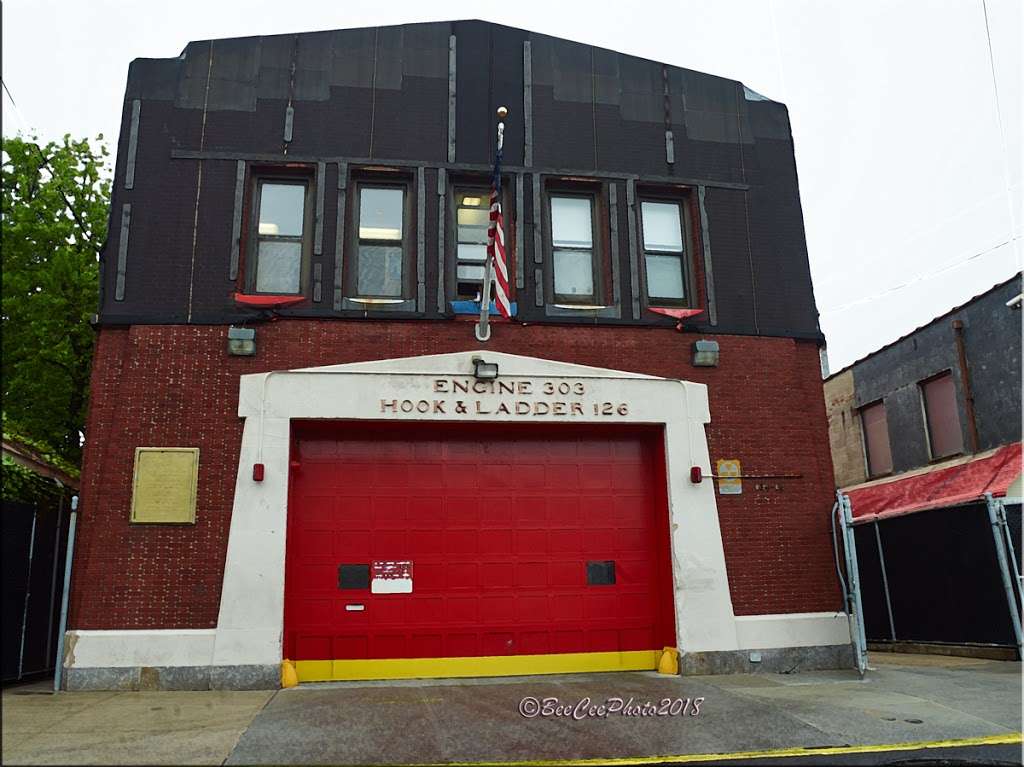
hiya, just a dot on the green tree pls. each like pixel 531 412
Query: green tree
pixel 55 208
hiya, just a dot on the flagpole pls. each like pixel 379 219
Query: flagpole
pixel 483 326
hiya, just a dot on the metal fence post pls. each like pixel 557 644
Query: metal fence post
pixel 68 556
pixel 885 582
pixel 1008 533
pixel 28 592
pixel 1004 569
pixel 53 574
pixel 853 575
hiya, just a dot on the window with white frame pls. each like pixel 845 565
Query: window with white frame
pixel 282 236
pixel 472 220
pixel 573 251
pixel 662 235
pixel 381 241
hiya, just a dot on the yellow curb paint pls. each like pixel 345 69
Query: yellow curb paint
pixel 489 665
pixel 1006 739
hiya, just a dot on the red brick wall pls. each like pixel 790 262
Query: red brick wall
pixel 176 386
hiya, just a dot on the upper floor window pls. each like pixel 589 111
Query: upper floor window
pixel 282 236
pixel 664 254
pixel 381 269
pixel 876 439
pixel 573 236
pixel 472 214
pixel 938 396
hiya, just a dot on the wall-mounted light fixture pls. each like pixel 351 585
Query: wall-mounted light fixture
pixel 241 342
pixel 484 371
pixel 705 354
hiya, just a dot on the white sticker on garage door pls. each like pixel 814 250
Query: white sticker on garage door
pixel 391 577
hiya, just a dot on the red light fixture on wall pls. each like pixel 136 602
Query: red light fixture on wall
pixel 257 472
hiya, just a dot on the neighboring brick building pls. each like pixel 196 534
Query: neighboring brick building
pixel 845 435
pixel 966 362
pixel 322 197
pixel 921 430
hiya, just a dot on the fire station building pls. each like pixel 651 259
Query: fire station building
pixel 297 447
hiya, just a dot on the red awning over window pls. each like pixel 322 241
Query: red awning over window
pixel 947 484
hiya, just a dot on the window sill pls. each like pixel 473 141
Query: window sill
pixel 377 301
pixel 581 307
pixel 582 311
pixel 367 305
pixel 679 313
pixel 267 300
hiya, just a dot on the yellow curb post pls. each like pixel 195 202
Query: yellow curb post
pixel 289 677
pixel 669 662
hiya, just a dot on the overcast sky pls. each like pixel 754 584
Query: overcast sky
pixel 910 176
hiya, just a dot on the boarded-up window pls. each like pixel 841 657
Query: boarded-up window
pixel 944 435
pixel 876 439
pixel 164 485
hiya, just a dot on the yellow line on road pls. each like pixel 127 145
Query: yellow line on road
pixel 1005 739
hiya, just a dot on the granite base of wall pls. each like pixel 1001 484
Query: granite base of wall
pixel 255 677
pixel 778 660
pixel 781 660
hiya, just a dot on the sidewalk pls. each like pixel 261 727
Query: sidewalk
pixel 905 699
pixel 125 727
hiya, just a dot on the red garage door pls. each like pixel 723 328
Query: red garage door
pixel 530 549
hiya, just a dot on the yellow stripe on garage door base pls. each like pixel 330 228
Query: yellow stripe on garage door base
pixel 487 665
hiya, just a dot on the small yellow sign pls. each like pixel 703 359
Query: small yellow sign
pixel 164 485
pixel 729 472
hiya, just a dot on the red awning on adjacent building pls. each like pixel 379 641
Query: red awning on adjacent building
pixel 947 484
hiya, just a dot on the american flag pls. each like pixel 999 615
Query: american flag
pixel 496 242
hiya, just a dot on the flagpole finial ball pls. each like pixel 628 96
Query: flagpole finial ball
pixel 502 113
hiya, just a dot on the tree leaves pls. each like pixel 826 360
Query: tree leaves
pixel 55 207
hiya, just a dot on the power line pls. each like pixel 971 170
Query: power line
pixel 45 162
pixel 17 111
pixel 8 93
pixel 999 121
pixel 1012 240
pixel 919 278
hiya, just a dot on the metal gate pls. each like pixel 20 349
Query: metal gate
pixel 34 541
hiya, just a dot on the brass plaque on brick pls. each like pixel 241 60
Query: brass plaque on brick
pixel 164 485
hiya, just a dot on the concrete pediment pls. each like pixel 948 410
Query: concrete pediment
pixel 357 387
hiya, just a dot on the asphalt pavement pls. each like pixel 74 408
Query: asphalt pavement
pixel 907 710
